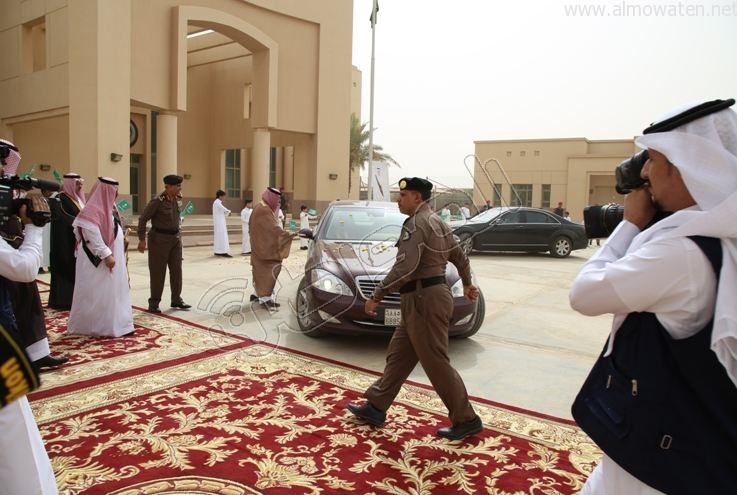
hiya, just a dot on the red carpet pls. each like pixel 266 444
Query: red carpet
pixel 177 409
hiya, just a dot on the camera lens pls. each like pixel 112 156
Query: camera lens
pixel 628 173
pixel 601 220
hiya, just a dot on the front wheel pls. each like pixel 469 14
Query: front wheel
pixel 561 247
pixel 480 314
pixel 303 311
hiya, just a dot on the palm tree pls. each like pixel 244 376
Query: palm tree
pixel 359 154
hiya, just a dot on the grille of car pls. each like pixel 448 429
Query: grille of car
pixel 367 285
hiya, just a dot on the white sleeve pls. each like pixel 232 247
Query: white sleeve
pixel 95 243
pixel 22 264
pixel 669 277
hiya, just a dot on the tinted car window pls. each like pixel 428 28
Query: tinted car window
pixel 539 217
pixel 512 217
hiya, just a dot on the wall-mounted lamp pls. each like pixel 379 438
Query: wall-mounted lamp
pixel 44 166
pixel 333 176
pixel 187 176
pixel 116 157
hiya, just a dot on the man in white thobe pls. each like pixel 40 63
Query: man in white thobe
pixel 245 217
pixel 659 269
pixel 101 305
pixel 304 223
pixel 221 244
pixel 24 464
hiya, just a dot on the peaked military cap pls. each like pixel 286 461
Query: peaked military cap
pixel 172 180
pixel 415 184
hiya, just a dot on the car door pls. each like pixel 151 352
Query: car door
pixel 501 234
pixel 537 231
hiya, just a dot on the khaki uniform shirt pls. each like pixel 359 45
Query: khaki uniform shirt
pixel 426 244
pixel 163 213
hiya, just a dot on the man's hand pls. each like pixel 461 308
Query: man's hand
pixel 142 245
pixel 370 307
pixel 471 292
pixel 38 203
pixel 110 262
pixel 638 207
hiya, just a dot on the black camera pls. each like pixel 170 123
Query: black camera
pixel 628 173
pixel 601 220
pixel 9 205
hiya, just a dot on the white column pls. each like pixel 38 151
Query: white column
pixel 260 154
pixel 166 148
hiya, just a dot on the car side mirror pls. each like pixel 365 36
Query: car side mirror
pixel 306 233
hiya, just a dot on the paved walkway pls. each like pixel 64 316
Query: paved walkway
pixel 532 352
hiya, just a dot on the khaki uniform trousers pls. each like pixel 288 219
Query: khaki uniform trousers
pixel 422 336
pixel 164 250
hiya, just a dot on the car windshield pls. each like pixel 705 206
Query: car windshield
pixel 362 223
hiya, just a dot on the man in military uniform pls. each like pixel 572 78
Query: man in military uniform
pixel 164 243
pixel 426 244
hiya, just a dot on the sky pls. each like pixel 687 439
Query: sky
pixel 451 73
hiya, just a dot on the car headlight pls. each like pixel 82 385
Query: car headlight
pixel 457 288
pixel 327 282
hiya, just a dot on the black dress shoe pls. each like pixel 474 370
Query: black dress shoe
pixel 368 413
pixel 254 297
pixel 181 305
pixel 270 305
pixel 50 361
pixel 461 430
pixel 154 309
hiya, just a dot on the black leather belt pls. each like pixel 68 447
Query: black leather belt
pixel 166 231
pixel 423 282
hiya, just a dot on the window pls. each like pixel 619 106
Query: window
pixel 233 173
pixel 509 154
pixel 522 153
pixel 497 196
pixel 247 100
pixel 523 196
pixel 545 201
pixel 537 152
pixel 538 217
pixel 272 167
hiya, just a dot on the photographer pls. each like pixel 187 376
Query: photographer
pixel 661 400
pixel 27 306
pixel 24 463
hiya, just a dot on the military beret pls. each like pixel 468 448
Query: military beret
pixel 173 180
pixel 415 184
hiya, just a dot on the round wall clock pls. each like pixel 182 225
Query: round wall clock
pixel 133 133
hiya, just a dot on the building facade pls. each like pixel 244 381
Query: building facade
pixel 575 171
pixel 231 94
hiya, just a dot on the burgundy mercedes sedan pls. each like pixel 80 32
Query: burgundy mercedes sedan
pixel 353 247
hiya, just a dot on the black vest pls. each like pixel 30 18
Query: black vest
pixel 663 409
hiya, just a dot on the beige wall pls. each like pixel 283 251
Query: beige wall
pixel 579 171
pixel 106 63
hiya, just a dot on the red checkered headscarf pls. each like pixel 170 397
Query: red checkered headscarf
pixel 69 186
pixel 98 211
pixel 11 162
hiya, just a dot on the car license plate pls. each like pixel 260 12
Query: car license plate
pixel 392 317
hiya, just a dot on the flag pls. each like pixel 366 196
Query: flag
pixel 374 12
pixel 29 174
pixel 58 176
pixel 123 205
pixel 187 209
pixel 312 212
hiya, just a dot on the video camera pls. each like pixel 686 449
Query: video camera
pixel 9 205
pixel 601 220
